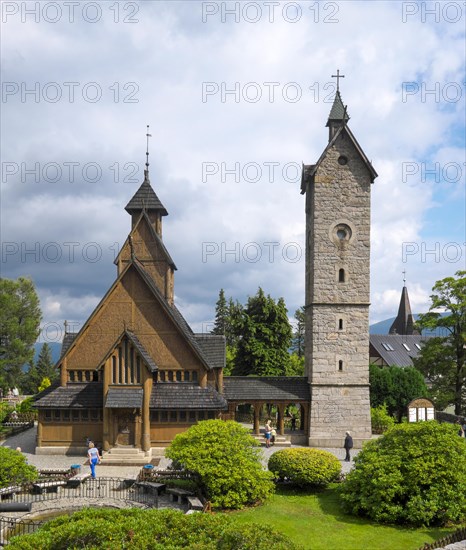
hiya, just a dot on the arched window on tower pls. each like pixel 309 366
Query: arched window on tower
pixel 340 324
pixel 340 365
pixel 341 275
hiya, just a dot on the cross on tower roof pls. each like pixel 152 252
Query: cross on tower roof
pixel 404 277
pixel 338 76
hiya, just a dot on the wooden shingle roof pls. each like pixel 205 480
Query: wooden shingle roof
pixel 124 398
pixel 186 396
pixel 72 396
pixel 213 347
pixel 145 199
pixel 266 388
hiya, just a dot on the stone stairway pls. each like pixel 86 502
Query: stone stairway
pixel 126 455
pixel 280 440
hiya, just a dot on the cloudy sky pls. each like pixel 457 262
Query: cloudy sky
pixel 237 96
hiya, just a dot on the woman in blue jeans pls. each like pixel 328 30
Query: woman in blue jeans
pixel 94 458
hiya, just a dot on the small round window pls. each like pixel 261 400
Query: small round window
pixel 342 160
pixel 342 232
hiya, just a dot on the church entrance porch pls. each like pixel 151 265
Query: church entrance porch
pixel 125 422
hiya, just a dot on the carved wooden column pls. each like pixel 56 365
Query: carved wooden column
pixel 39 429
pixel 281 418
pixel 257 410
pixel 146 445
pixel 106 412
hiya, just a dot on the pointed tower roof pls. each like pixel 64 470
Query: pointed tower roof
pixel 404 321
pixel 145 197
pixel 338 112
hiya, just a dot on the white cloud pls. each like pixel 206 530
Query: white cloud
pixel 168 54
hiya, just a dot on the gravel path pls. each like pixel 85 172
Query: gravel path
pixel 27 442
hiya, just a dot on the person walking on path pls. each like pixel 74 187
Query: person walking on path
pixel 94 458
pixel 348 445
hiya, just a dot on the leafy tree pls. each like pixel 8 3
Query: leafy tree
pixel 414 474
pixel 443 360
pixel 395 387
pixel 155 529
pixel 305 467
pixel 436 362
pixel 14 468
pixel 227 459
pixel 44 384
pixel 299 332
pixel 295 366
pixel 265 337
pixel 20 318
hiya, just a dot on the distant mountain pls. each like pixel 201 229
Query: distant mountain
pixel 382 327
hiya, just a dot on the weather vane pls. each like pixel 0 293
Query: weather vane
pixel 338 76
pixel 147 148
pixel 404 277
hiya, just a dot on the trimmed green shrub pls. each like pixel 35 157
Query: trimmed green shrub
pixel 381 420
pixel 304 467
pixel 26 405
pixel 414 474
pixel 138 529
pixel 228 461
pixel 5 411
pixel 14 469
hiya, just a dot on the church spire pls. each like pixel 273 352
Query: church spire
pixel 145 198
pixel 338 114
pixel 404 321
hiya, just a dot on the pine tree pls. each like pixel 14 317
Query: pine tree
pixel 20 318
pixel 45 366
pixel 221 314
pixel 265 337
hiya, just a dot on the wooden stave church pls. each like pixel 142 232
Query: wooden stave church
pixel 120 375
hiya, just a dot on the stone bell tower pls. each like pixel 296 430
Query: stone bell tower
pixel 338 189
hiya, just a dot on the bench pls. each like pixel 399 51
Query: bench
pixel 45 485
pixel 9 491
pixel 151 487
pixel 51 472
pixel 178 495
pixel 129 481
pixel 195 504
pixel 76 480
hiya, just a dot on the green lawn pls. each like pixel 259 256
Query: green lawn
pixel 315 521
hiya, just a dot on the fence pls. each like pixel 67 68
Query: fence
pixel 13 527
pixel 12 428
pixel 101 490
pixel 457 536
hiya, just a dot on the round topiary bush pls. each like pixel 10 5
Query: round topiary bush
pixel 414 474
pixel 228 461
pixel 304 467
pixel 155 529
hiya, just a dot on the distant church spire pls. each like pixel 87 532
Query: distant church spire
pixel 404 321
pixel 338 114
